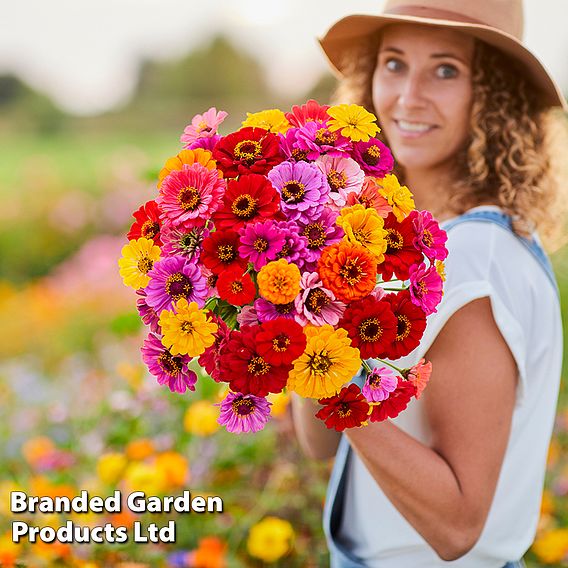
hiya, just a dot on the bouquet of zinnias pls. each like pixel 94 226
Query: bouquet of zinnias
pixel 283 256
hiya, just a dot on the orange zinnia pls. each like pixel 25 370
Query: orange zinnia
pixel 279 281
pixel 348 270
pixel 189 157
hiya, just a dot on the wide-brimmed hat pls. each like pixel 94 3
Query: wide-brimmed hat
pixel 497 22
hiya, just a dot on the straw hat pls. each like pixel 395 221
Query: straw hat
pixel 496 22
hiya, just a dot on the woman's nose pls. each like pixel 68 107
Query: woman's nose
pixel 412 93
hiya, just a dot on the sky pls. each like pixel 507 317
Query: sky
pixel 86 54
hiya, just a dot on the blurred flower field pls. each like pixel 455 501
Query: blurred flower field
pixel 79 410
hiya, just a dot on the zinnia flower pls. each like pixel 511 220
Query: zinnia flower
pixel 280 341
pixel 244 412
pixel 188 197
pixel 369 196
pixel 188 330
pixel 328 362
pixel 205 143
pixel 249 150
pixel 320 232
pixel 430 238
pixel 235 287
pixel 294 249
pixel 396 402
pixel 315 304
pixel 371 325
pixel 419 375
pixel 374 157
pixel 380 382
pixel 364 227
pixel 183 242
pixel 316 139
pixel 398 196
pixel 348 409
pixel 209 359
pixel 173 278
pixel 169 369
pixel 221 251
pixel 267 311
pixel 302 187
pixel 289 146
pixel 137 260
pixel 354 122
pixel 147 223
pixel 272 120
pixel 270 539
pixel 349 271
pixel 248 316
pixel 311 111
pixel 425 287
pixel 147 314
pixel 344 176
pixel 279 281
pixel 187 158
pixel 250 198
pixel 260 243
pixel 203 126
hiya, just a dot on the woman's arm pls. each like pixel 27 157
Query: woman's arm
pixel 445 490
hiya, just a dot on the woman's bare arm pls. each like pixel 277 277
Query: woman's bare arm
pixel 445 490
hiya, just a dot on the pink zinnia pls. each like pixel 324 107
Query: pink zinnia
pixel 380 382
pixel 147 314
pixel 267 311
pixel 419 375
pixel 374 157
pixel 315 304
pixel 430 239
pixel 261 242
pixel 189 197
pixel 203 125
pixel 244 412
pixel 317 139
pixel 248 316
pixel 309 112
pixel 425 287
pixel 289 146
pixel 183 242
pixel 344 176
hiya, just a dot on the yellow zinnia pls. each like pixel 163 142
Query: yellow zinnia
pixel 138 257
pixel 188 330
pixel 327 363
pixel 398 196
pixel 201 418
pixel 279 281
pixel 270 539
pixel 273 120
pixel 354 122
pixel 364 227
pixel 189 157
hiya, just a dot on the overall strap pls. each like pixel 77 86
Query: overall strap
pixel 504 220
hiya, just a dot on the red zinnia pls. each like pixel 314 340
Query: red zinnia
pixel 247 371
pixel 249 150
pixel 209 359
pixel 235 287
pixel 312 110
pixel 147 223
pixel 401 253
pixel 410 328
pixel 371 325
pixel 281 341
pixel 221 251
pixel 348 409
pixel 395 403
pixel 250 198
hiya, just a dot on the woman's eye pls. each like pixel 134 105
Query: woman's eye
pixel 446 71
pixel 393 64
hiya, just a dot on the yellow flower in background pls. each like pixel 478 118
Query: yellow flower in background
pixel 189 157
pixel 270 539
pixel 173 468
pixel 364 227
pixel 140 449
pixel 273 120
pixel 201 418
pixel 110 467
pixel 138 257
pixel 132 374
pixel 327 363
pixel 553 453
pixel 279 281
pixel 188 331
pixel 142 476
pixel 398 196
pixel 547 503
pixel 551 547
pixel 354 121
pixel 6 487
pixel 280 402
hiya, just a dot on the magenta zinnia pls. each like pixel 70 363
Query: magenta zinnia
pixel 244 412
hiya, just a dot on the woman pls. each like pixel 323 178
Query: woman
pixel 458 476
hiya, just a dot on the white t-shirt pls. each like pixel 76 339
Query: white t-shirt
pixel 485 260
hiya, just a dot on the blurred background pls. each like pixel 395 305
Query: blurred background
pixel 93 99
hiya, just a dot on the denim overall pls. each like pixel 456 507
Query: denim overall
pixel 340 557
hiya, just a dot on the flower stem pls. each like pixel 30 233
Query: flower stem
pixel 398 369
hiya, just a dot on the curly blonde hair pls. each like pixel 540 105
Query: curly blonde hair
pixel 512 157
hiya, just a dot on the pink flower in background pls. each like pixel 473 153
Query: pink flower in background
pixel 381 381
pixel 244 412
pixel 425 287
pixel 203 125
pixel 419 375
pixel 344 176
pixel 430 239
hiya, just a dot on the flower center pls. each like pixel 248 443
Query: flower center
pixel 427 238
pixel 320 363
pixel 317 300
pixel 248 151
pixel 186 327
pixel 280 343
pixel 212 280
pixel 337 180
pixel 170 364
pixel 150 229
pixel 370 330
pixel 324 137
pixel 178 286
pixel 285 309
pixel 286 249
pixel 422 289
pixel 244 206
pixel 374 381
pixel 258 366
pixel 351 272
pixel 299 155
pixel 394 240
pixel 189 242
pixel 372 155
pixel 344 410
pixel 189 198
pixel 226 253
pixel 293 191
pixel 402 327
pixel 260 244
pixel 145 265
pixel 236 287
pixel 315 234
pixel 203 126
pixel 242 406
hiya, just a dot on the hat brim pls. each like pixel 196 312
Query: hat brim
pixel 357 29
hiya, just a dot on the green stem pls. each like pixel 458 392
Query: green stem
pixel 394 289
pixel 368 367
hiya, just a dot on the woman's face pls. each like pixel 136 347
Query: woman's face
pixel 422 93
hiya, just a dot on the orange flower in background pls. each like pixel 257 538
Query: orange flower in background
pixel 9 551
pixel 348 270
pixel 279 281
pixel 35 449
pixel 210 553
pixel 140 449
pixel 173 469
pixel 189 157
